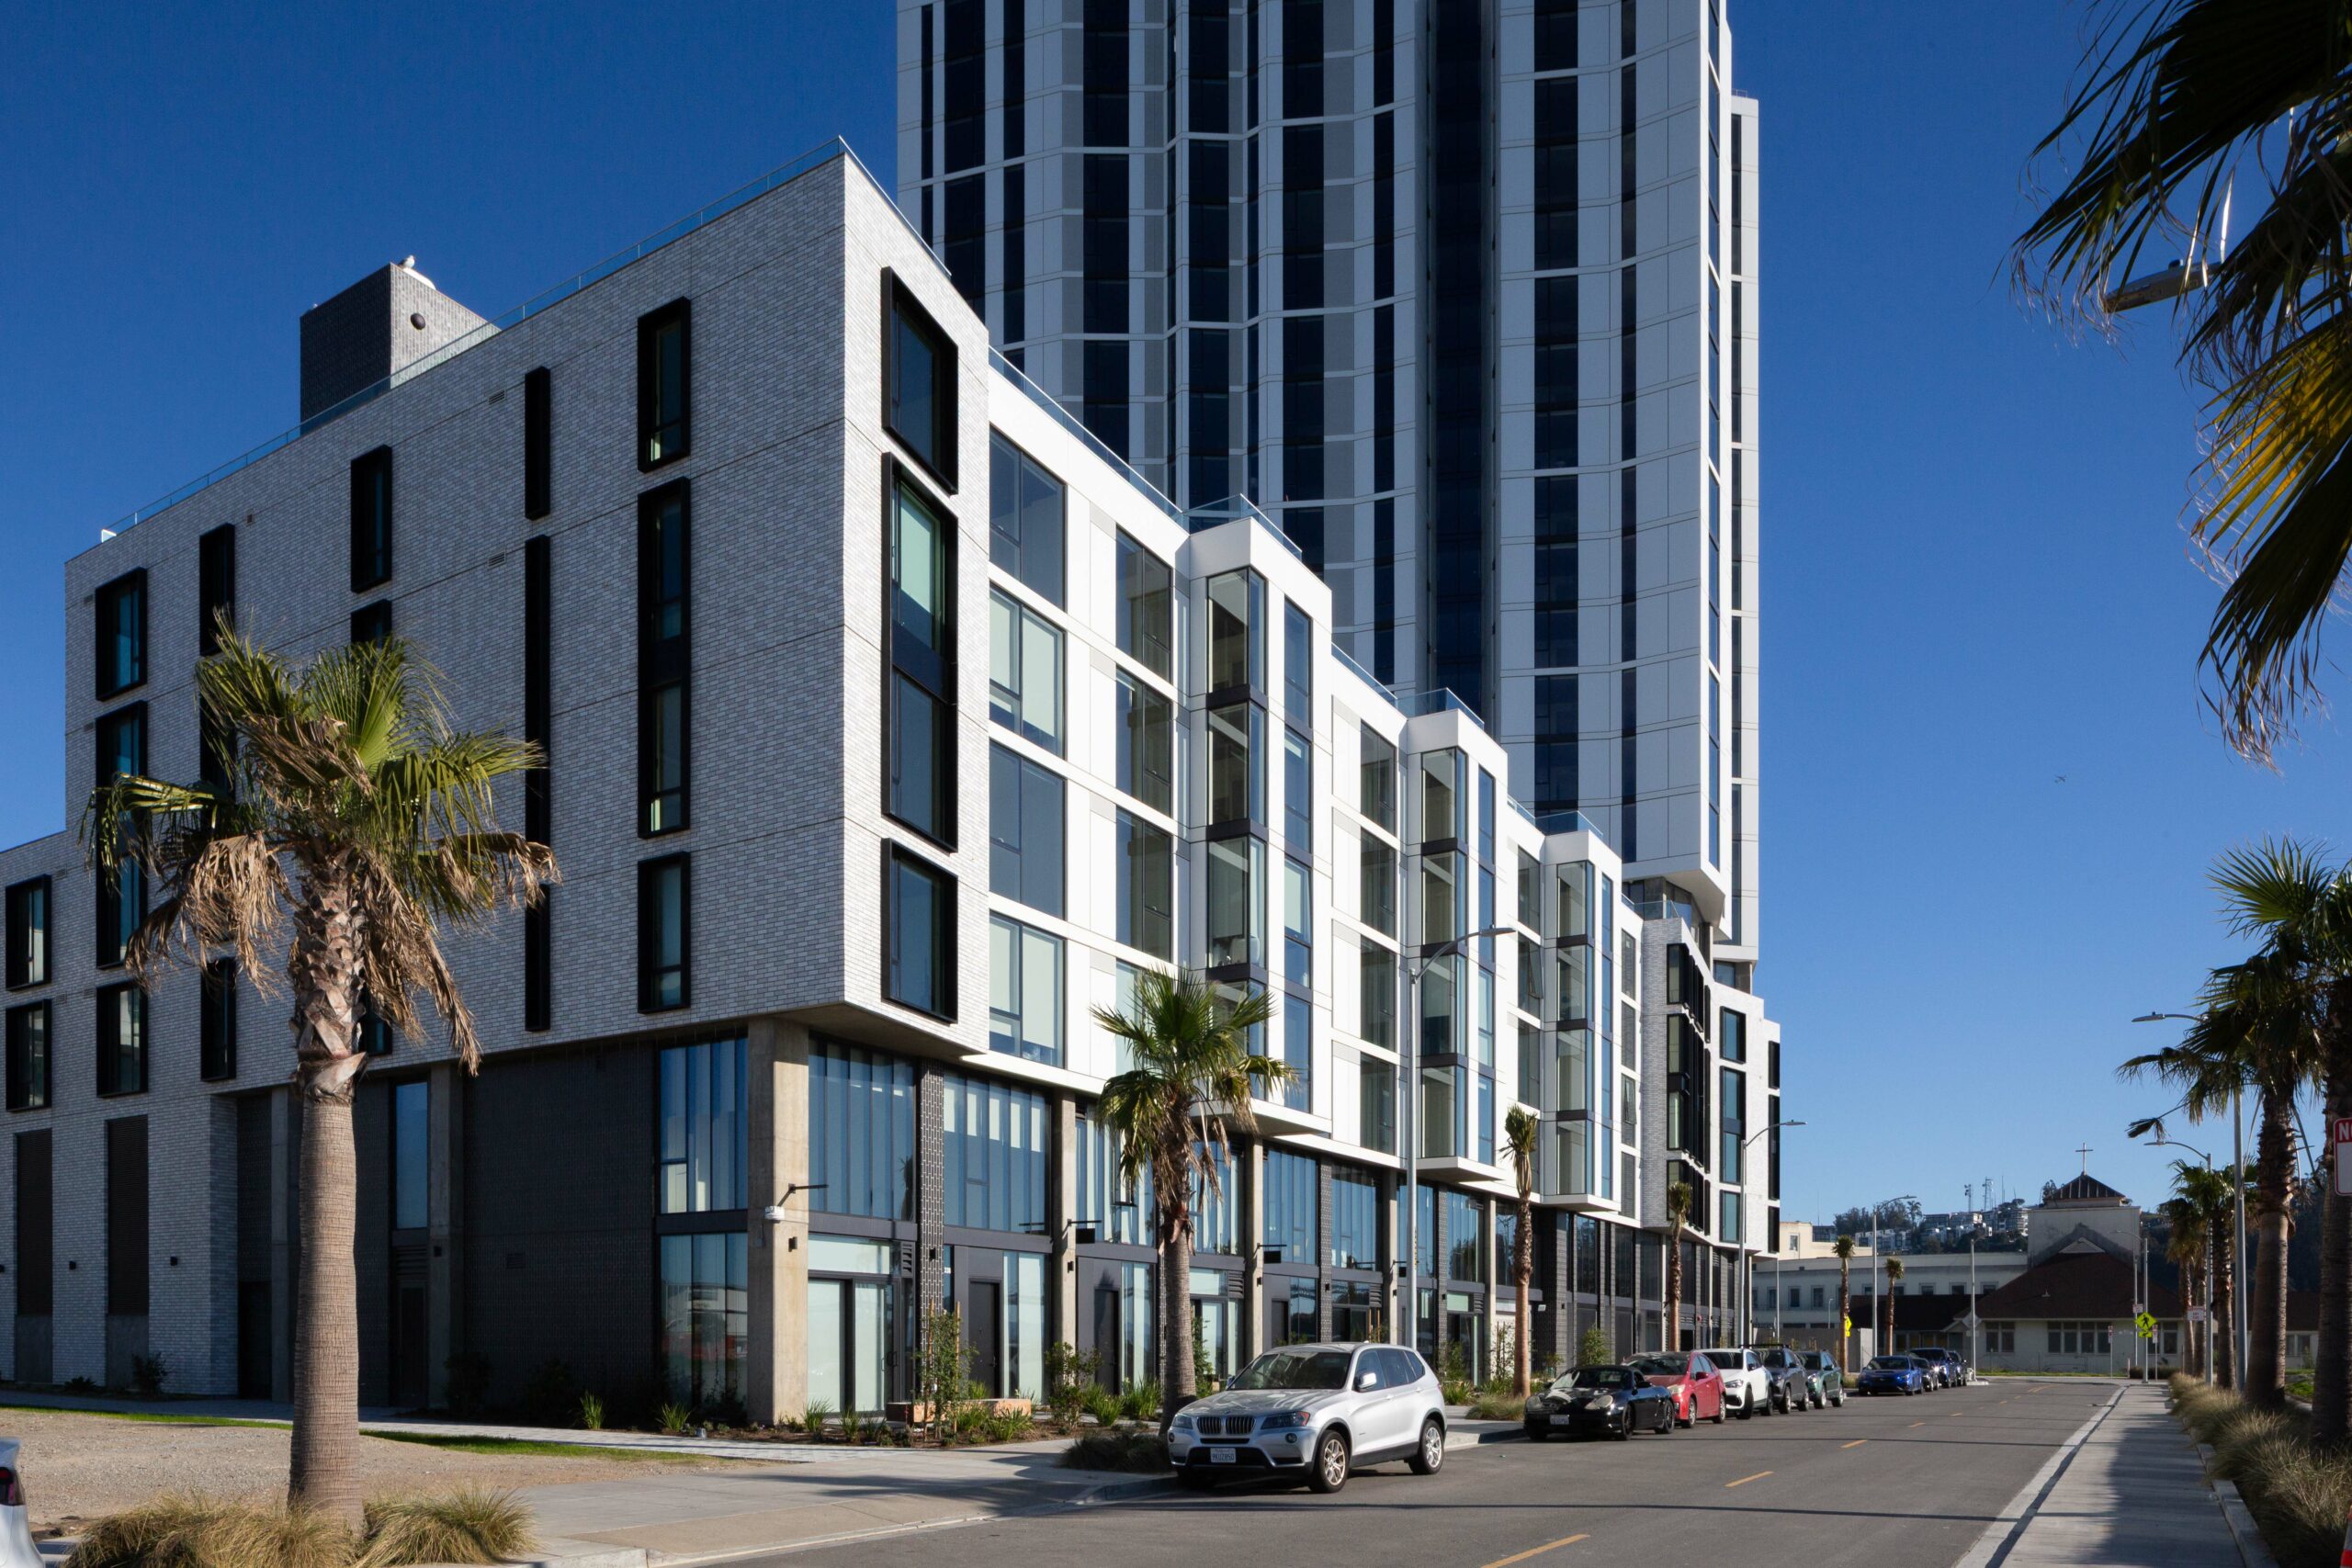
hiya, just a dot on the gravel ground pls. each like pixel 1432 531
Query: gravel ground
pixel 80 1467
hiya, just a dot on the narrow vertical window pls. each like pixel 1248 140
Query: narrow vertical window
pixel 122 634
pixel 663 577
pixel 917 933
pixel 1147 608
pixel 538 430
pixel 216 586
pixel 27 921
pixel 662 386
pixel 217 1021
pixel 1026 521
pixel 122 1039
pixel 921 704
pixel 661 935
pixel 28 1056
pixel 1027 831
pixel 372 623
pixel 918 383
pixel 371 519
pixel 122 892
pixel 411 1154
pixel 539 807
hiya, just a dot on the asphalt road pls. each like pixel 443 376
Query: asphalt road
pixel 1890 1483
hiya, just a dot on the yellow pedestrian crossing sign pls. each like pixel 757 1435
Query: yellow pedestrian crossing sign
pixel 2146 1325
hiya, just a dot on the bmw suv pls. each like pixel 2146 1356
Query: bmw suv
pixel 1314 1411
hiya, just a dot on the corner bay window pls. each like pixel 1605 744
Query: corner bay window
pixel 1237 901
pixel 1376 779
pixel 921 734
pixel 918 383
pixel 917 933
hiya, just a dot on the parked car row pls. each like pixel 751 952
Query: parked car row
pixel 1682 1388
pixel 1913 1371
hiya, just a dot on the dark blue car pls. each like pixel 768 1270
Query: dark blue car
pixel 1892 1374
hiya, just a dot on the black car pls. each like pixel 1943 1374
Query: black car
pixel 1951 1364
pixel 1789 1385
pixel 1613 1402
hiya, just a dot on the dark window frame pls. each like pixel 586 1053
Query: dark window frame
pixel 109 1040
pixel 111 680
pixel 943 940
pixel 367 554
pixel 679 313
pixel 649 972
pixel 938 685
pixel 108 884
pixel 539 708
pixel 664 663
pixel 939 462
pixel 538 436
pixel 216 590
pixel 23 1093
pixel 216 1052
pixel 18 968
pixel 372 621
pixel 1021 461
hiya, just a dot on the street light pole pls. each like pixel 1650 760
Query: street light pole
pixel 1747 1268
pixel 1410 1121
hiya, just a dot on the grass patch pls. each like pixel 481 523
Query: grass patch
pixel 1141 1452
pixel 2298 1495
pixel 1498 1407
pixel 470 1526
pixel 155 1418
pixel 528 1447
pixel 191 1531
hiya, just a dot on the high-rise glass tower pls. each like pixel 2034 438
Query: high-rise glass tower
pixel 1461 293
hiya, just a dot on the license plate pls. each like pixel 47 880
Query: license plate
pixel 1560 1421
pixel 1221 1456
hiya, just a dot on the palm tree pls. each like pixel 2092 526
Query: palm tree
pixel 1518 1133
pixel 2278 891
pixel 2250 1033
pixel 2209 1192
pixel 2185 1245
pixel 358 815
pixel 1192 1075
pixel 1886 1308
pixel 2179 104
pixel 1844 1247
pixel 1677 1218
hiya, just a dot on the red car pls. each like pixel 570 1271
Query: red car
pixel 1698 1387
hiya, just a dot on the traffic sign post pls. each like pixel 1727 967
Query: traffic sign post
pixel 2340 1142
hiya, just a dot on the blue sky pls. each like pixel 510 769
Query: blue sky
pixel 1977 580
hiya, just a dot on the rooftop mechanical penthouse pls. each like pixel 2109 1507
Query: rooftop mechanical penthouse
pixel 892 725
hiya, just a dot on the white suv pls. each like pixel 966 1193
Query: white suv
pixel 1748 1387
pixel 1314 1411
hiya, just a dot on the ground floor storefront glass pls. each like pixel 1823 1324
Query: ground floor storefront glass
pixel 706 1317
pixel 852 1319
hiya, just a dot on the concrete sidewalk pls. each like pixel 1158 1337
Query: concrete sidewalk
pixel 2128 1491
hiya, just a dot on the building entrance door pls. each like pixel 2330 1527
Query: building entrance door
pixel 984 1334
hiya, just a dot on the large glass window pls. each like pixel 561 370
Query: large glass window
pixel 923 668
pixel 1292 1195
pixel 1298 1052
pixel 1237 605
pixel 1377 1103
pixel 919 392
pixel 1732 1034
pixel 1442 896
pixel 705 1317
pixel 1147 886
pixel 1298 924
pixel 1147 608
pixel 371 519
pixel 27 1066
pixel 121 618
pixel 1298 668
pixel 1355 1221
pixel 1376 779
pixel 1025 991
pixel 1027 831
pixel 1116 1212
pixel 122 1039
pixel 1236 764
pixel 121 892
pixel 663 954
pixel 1442 796
pixel 1299 792
pixel 1146 744
pixel 919 935
pixel 1378 888
pixel 1376 972
pixel 1237 901
pixel 1026 525
pixel 27 922
pixel 1440 1132
pixel 861 1133
pixel 411 1154
pixel 1213 1207
pixel 1466 1258
pixel 217 1021
pixel 994 1150
pixel 662 659
pixel 661 386
pixel 1024 673
pixel 705 1145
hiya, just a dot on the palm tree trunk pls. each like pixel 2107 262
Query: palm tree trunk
pixel 323 973
pixel 2266 1372
pixel 2332 1369
pixel 2225 1303
pixel 1175 1314
pixel 1523 1267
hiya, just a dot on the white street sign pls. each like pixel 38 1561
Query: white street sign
pixel 2196 1314
pixel 1970 1320
pixel 2343 1161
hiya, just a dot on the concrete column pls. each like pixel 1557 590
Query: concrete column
pixel 1495 1291
pixel 1250 1224
pixel 285 1163
pixel 775 1371
pixel 1061 1219
pixel 444 1129
pixel 931 1196
pixel 1559 1282
pixel 1323 1250
pixel 1391 1325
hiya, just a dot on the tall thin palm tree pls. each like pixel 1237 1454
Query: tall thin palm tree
pixel 1193 1076
pixel 1678 1220
pixel 2280 891
pixel 1519 1129
pixel 2185 1245
pixel 2213 1197
pixel 359 816
pixel 2188 112
pixel 1886 1304
pixel 2251 1034
pixel 1844 1247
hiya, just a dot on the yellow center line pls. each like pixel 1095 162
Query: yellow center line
pixel 1918 1423
pixel 1856 1443
pixel 1534 1551
pixel 1745 1479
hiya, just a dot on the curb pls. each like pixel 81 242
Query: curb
pixel 2252 1550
